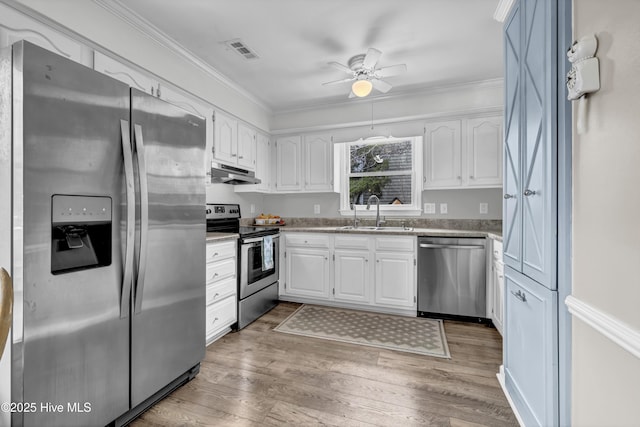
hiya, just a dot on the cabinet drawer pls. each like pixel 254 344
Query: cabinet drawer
pixel 403 244
pixel 308 240
pixel 351 242
pixel 220 270
pixel 218 251
pixel 222 289
pixel 221 315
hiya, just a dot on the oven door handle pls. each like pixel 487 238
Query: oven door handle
pixel 258 239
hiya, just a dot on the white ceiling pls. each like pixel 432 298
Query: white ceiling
pixel 442 42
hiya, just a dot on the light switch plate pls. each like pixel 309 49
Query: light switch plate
pixel 316 209
pixel 484 208
pixel 429 208
pixel 443 208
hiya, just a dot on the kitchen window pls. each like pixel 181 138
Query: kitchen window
pixel 385 167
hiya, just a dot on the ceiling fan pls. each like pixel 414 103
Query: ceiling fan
pixel 365 75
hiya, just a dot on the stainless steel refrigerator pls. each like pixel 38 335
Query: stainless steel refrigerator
pixel 107 241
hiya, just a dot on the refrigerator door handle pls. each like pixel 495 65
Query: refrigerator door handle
pixel 144 216
pixel 131 219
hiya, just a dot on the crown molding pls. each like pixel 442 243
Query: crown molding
pixel 617 331
pixel 121 11
pixel 404 93
pixel 503 9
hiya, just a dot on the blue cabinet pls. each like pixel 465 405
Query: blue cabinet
pixel 530 159
pixel 530 210
pixel 531 355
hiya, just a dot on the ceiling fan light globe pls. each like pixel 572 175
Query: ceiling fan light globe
pixel 361 88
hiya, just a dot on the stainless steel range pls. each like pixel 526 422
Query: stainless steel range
pixel 258 271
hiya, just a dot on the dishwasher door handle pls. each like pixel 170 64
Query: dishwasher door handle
pixel 436 246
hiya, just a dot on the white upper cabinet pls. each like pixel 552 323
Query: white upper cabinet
pixel 124 73
pixel 442 153
pixel 15 26
pixel 288 162
pixel 246 146
pixel 234 143
pixel 484 149
pixel 456 159
pixel 318 163
pixel 225 142
pixel 263 167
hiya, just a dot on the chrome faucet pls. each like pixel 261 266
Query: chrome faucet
pixel 377 200
pixel 355 213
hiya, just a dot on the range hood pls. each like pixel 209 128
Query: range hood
pixel 221 173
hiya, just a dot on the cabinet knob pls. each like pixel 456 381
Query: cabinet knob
pixel 241 157
pixel 233 155
pixel 528 192
pixel 459 177
pixel 471 177
pixel 509 196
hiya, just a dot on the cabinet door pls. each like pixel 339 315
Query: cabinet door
pixel 225 143
pixel 352 276
pixel 531 350
pixel 484 152
pixel 288 162
pixel 246 147
pixel 199 108
pixel 308 272
pixel 498 296
pixel 263 162
pixel 539 148
pixel 318 161
pixel 125 74
pixel 394 279
pixel 15 27
pixel 442 161
pixel 511 211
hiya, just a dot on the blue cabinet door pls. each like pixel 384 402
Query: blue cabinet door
pixel 530 160
pixel 511 212
pixel 531 349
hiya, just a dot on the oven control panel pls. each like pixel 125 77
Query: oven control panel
pixel 222 211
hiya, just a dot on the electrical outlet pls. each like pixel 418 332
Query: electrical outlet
pixel 316 209
pixel 429 208
pixel 484 208
pixel 443 208
pixel 253 208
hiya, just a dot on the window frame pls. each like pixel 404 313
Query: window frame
pixel 414 209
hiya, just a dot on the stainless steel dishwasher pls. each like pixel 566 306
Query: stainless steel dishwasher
pixel 452 278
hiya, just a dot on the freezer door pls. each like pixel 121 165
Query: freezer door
pixel 71 344
pixel 168 324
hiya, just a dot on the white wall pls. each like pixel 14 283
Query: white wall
pixel 606 209
pixel 95 23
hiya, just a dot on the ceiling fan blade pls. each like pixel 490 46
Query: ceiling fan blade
pixel 341 67
pixel 381 85
pixel 391 71
pixel 371 59
pixel 338 81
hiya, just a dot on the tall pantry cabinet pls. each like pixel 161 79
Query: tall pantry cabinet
pixel 530 210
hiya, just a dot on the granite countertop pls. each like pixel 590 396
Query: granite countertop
pixel 216 237
pixel 436 232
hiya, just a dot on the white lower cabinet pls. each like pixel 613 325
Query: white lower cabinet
pixel 359 271
pixel 307 272
pixel 495 285
pixel 222 288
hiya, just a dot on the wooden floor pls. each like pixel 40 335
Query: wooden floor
pixel 258 377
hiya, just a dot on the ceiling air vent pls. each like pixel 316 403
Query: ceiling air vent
pixel 239 47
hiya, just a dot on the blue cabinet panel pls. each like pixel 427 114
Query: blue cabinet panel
pixel 531 355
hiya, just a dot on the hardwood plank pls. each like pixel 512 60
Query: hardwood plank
pixel 262 377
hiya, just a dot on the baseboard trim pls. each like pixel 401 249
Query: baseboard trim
pixel 500 376
pixel 616 330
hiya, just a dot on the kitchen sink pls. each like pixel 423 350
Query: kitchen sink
pixel 372 228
